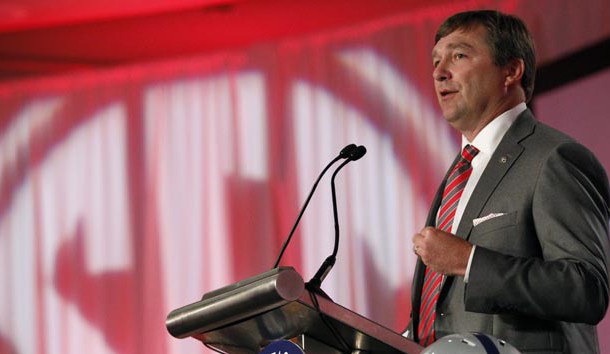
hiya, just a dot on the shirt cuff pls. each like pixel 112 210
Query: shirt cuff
pixel 466 276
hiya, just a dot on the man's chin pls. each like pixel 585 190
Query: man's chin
pixel 450 116
pixel 453 119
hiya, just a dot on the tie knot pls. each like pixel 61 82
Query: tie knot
pixel 469 152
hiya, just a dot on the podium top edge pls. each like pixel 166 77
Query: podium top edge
pixel 244 282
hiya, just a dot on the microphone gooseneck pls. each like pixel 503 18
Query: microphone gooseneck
pixel 346 153
pixel 315 282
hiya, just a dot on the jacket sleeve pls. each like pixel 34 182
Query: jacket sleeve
pixel 568 279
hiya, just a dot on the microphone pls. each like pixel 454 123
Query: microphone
pixel 345 153
pixel 315 282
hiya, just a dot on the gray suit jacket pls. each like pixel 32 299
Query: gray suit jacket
pixel 539 275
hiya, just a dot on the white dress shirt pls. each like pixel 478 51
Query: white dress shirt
pixel 486 141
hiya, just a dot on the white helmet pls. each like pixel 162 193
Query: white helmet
pixel 471 343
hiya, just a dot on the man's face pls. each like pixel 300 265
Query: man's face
pixel 470 88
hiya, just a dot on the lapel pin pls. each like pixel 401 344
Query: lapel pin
pixel 503 159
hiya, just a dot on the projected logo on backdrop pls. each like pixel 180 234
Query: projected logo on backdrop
pixel 211 175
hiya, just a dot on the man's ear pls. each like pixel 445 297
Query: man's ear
pixel 514 72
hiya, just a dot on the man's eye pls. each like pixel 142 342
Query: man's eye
pixel 459 56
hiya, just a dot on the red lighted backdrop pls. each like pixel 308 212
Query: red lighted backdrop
pixel 129 191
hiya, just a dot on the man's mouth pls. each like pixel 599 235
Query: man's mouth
pixel 446 93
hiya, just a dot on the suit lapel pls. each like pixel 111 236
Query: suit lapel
pixel 418 277
pixel 503 158
pixel 420 267
pixel 507 152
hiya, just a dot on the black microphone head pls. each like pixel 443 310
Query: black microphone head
pixel 357 153
pixel 347 151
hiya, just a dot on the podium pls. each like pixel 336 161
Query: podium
pixel 244 317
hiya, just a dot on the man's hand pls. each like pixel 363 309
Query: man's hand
pixel 441 251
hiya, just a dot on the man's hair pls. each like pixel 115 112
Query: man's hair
pixel 507 36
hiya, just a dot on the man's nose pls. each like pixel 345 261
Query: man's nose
pixel 441 73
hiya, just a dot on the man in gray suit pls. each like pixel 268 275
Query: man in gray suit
pixel 522 254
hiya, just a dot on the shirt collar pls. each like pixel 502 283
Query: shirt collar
pixel 488 139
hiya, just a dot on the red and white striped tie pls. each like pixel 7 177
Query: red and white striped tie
pixel 432 280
